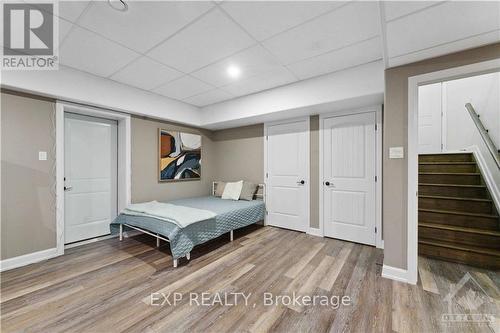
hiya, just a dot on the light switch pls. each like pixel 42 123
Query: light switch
pixel 396 152
pixel 42 155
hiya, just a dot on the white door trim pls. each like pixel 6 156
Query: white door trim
pixel 379 242
pixel 308 160
pixel 124 159
pixel 412 151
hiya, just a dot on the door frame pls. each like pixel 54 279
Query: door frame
pixel 124 159
pixel 308 161
pixel 379 242
pixel 410 274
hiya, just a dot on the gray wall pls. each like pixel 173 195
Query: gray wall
pixel 28 222
pixel 395 134
pixel 145 185
pixel 239 154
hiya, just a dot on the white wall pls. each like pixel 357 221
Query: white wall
pixel 75 86
pixel 350 88
pixel 459 131
pixel 483 92
pixel 354 87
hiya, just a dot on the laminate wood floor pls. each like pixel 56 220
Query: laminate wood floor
pixel 106 286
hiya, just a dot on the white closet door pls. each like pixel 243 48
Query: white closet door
pixel 349 169
pixel 90 176
pixel 287 174
pixel 430 119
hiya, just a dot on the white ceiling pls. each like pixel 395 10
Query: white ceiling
pixel 182 49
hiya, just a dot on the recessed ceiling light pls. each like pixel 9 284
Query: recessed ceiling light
pixel 119 5
pixel 233 71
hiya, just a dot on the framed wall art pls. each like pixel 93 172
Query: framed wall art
pixel 179 156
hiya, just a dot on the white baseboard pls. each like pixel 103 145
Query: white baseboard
pixel 27 259
pixel 38 256
pixel 396 274
pixel 314 232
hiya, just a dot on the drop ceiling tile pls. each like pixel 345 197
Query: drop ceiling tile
pixel 264 19
pixel 395 9
pixel 86 51
pixel 145 24
pixel 260 82
pixel 252 61
pixel 210 97
pixel 183 88
pixel 445 23
pixel 354 22
pixel 64 29
pixel 71 10
pixel 146 74
pixel 209 39
pixel 354 55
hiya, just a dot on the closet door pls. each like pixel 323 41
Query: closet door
pixel 90 155
pixel 287 178
pixel 430 119
pixel 349 169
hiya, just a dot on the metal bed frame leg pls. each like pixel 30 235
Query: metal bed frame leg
pixel 188 256
pixel 231 236
pixel 175 263
pixel 121 232
pixel 157 241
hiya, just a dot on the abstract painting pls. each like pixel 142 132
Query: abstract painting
pixel 179 156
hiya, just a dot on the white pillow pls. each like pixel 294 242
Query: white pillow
pixel 232 190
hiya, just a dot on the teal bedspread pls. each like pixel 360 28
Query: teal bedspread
pixel 230 215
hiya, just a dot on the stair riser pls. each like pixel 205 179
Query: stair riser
pixel 450 179
pixel 454 168
pixel 446 158
pixel 456 205
pixel 459 256
pixel 459 237
pixel 459 220
pixel 450 191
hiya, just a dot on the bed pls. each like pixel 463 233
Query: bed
pixel 229 215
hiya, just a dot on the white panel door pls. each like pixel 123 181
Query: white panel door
pixel 429 119
pixel 287 175
pixel 349 169
pixel 90 154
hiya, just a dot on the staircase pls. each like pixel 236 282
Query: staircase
pixel 457 220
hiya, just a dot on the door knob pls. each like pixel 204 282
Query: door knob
pixel 68 188
pixel 302 182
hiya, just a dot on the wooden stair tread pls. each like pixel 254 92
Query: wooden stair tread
pixel 453 185
pixel 454 198
pixel 447 162
pixel 457 218
pixel 454 153
pixel 451 173
pixel 461 229
pixel 468 248
pixel 457 213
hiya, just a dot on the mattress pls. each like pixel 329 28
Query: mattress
pixel 230 215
